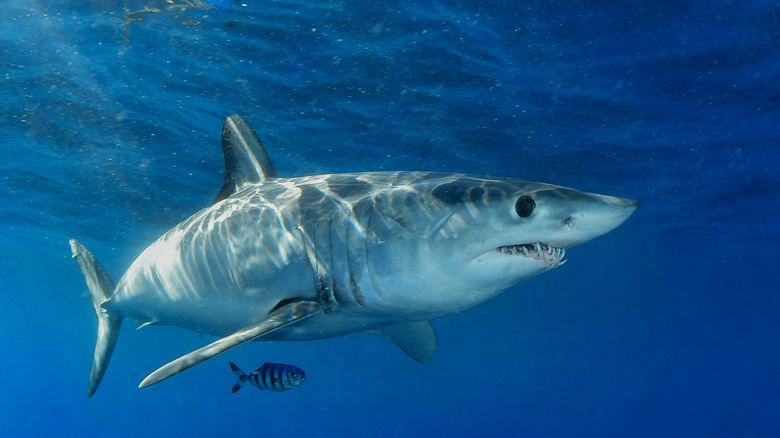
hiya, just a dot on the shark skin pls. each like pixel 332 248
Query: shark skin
pixel 313 257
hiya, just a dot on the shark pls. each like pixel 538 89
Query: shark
pixel 303 258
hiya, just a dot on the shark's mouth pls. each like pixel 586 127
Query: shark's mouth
pixel 551 256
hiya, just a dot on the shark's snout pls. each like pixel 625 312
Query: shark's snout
pixel 593 217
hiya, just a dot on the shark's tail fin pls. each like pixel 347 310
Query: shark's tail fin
pixel 242 378
pixel 100 288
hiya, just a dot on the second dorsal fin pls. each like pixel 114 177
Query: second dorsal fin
pixel 246 161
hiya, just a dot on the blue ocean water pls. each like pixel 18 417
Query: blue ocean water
pixel 668 326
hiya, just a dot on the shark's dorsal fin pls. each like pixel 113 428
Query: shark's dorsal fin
pixel 417 338
pixel 283 316
pixel 246 161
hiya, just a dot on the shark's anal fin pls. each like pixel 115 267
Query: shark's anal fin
pixel 246 161
pixel 417 338
pixel 286 315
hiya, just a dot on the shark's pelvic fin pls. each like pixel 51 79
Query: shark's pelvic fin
pixel 100 288
pixel 283 316
pixel 246 161
pixel 417 338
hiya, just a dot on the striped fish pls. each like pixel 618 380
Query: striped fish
pixel 271 376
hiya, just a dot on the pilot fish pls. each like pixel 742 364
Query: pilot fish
pixel 270 376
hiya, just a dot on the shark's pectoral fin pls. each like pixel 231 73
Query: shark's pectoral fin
pixel 283 316
pixel 417 338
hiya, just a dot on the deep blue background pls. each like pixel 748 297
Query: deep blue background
pixel 667 326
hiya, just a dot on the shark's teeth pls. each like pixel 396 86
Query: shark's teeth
pixel 551 256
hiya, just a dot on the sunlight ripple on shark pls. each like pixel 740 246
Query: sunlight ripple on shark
pixel 314 257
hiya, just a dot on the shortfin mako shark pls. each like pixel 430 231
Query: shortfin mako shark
pixel 313 257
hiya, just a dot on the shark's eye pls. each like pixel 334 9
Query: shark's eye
pixel 525 206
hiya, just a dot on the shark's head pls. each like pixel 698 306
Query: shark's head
pixel 465 239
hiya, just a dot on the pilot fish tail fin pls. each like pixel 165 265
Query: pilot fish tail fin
pixel 100 288
pixel 241 377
